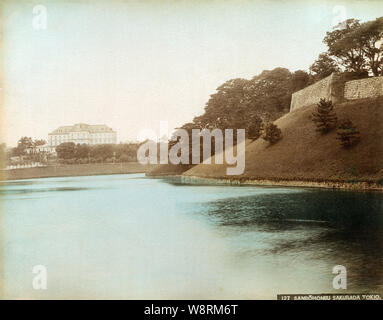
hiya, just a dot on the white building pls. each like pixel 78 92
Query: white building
pixel 82 133
pixel 46 148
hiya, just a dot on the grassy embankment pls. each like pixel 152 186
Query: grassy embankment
pixel 74 170
pixel 168 170
pixel 304 155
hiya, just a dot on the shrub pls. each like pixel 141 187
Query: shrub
pixel 66 150
pixel 272 133
pixel 324 117
pixel 69 161
pixel 124 158
pixel 352 171
pixel 254 128
pixel 379 182
pixel 347 133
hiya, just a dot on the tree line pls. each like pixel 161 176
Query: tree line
pixel 69 152
pixel 352 47
pixel 24 143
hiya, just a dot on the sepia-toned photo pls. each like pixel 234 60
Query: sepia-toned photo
pixel 191 150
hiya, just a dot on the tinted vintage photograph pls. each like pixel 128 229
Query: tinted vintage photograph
pixel 191 150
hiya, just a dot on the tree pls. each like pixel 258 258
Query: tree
pixel 126 151
pixel 324 117
pixel 39 142
pixel 102 151
pixel 2 154
pixel 300 79
pixel 272 133
pixel 347 133
pixel 357 46
pixel 254 127
pixel 346 49
pixel 371 34
pixel 224 106
pixel 82 151
pixel 324 66
pixel 66 150
pixel 267 95
pixel 23 144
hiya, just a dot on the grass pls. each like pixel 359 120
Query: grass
pixel 305 155
pixel 168 169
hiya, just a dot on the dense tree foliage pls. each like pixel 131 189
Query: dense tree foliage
pixel 247 104
pixel 354 47
pixel 24 143
pixel 2 154
pixel 324 66
pixel 39 142
pixel 66 150
pixel 84 153
pixel 266 96
pixel 254 128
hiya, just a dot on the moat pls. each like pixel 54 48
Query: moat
pixel 128 236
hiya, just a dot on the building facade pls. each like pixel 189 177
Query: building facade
pixel 82 133
pixel 46 148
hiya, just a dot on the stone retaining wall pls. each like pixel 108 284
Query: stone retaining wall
pixel 337 88
pixel 363 88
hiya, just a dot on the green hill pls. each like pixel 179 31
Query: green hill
pixel 305 155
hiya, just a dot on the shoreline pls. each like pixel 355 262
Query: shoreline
pixel 131 168
pixel 337 185
pixel 73 170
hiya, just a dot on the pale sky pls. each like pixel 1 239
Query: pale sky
pixel 132 64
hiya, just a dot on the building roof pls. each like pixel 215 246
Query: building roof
pixel 78 127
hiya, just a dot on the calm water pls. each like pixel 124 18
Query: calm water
pixel 127 236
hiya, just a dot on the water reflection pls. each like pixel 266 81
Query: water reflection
pixel 337 208
pixel 336 227
pixel 27 191
pixel 126 236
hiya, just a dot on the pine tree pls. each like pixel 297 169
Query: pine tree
pixel 324 117
pixel 272 133
pixel 347 133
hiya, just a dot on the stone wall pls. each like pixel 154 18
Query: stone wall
pixel 312 94
pixel 364 88
pixel 337 88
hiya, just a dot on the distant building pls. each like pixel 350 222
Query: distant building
pixel 46 148
pixel 82 133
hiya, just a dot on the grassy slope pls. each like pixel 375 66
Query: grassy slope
pixel 304 154
pixel 167 169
